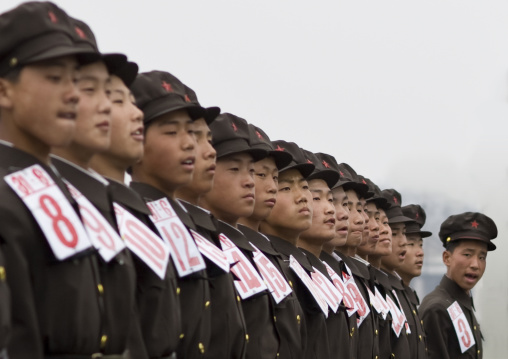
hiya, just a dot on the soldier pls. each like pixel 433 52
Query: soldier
pixel 231 198
pixel 228 323
pixel 157 301
pixel 168 163
pixel 448 311
pixel 287 308
pixel 50 263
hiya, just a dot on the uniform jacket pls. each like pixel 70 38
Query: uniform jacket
pixel 442 341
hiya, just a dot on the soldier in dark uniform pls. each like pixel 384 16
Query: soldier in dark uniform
pixel 228 323
pixel 117 275
pixel 158 304
pixel 311 241
pixel 448 311
pixel 411 268
pixel 292 215
pixel 287 308
pixel 231 198
pixel 5 310
pixel 168 163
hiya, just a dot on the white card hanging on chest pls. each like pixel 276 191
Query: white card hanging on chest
pixel 277 284
pixel 186 255
pixel 56 217
pixel 384 306
pixel 250 282
pixel 363 309
pixel 311 286
pixel 461 325
pixel 327 289
pixel 398 318
pixel 347 299
pixel 210 251
pixel 142 241
pixel 103 236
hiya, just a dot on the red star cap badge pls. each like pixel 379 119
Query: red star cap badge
pixel 80 32
pixel 309 161
pixel 167 86
pixel 52 17
pixel 341 174
pixel 259 135
pixel 363 181
pixel 234 126
pixel 417 215
pixel 395 200
pixel 326 164
pixel 279 149
pixel 474 224
pixel 187 99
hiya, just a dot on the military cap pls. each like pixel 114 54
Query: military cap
pixel 299 162
pixel 349 180
pixel 159 92
pixel 468 225
pixel 211 113
pixel 321 171
pixel 127 73
pixel 376 197
pixel 416 213
pixel 363 180
pixel 36 31
pixel 259 139
pixel 230 135
pixel 394 213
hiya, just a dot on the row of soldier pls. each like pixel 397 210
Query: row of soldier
pixel 223 245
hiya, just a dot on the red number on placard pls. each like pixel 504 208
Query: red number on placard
pixel 55 213
pixel 40 176
pixel 95 225
pixel 141 239
pixel 357 298
pixel 22 184
pixel 193 261
pixel 466 340
pixel 226 244
pixel 241 270
pixel 169 211
pixel 346 297
pixel 322 288
pixel 271 274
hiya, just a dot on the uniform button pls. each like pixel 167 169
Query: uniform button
pixel 421 321
pixel 277 355
pixel 181 336
pixel 13 62
pixel 298 318
pixel 201 348
pixel 377 332
pixel 393 355
pixel 100 287
pixel 474 327
pixel 377 357
pixel 414 312
pixel 207 304
pixel 247 337
pixel 237 298
pixel 478 352
pixel 177 290
pixel 291 284
pixel 420 337
pixel 352 332
pixel 104 340
pixel 274 318
pixel 2 274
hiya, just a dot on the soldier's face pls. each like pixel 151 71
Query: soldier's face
pixel 169 152
pixel 395 259
pixel 266 177
pixel 366 219
pixel 466 264
pixel 384 244
pixel 93 125
pixel 340 203
pixel 323 214
pixel 413 263
pixel 127 136
pixel 372 237
pixel 233 192
pixel 356 221
pixel 41 105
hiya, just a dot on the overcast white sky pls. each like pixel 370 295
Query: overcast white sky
pixel 412 94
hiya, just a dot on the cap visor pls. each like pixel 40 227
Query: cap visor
pixel 400 219
pixel 329 176
pixel 305 169
pixel 83 55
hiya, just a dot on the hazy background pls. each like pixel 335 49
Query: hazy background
pixel 412 94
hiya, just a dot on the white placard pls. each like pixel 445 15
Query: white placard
pixel 311 286
pixel 185 253
pixel 57 219
pixel 275 281
pixel 250 282
pixel 347 299
pixel 210 251
pixel 363 308
pixel 142 241
pixel 461 325
pixel 398 318
pixel 327 289
pixel 101 234
pixel 384 306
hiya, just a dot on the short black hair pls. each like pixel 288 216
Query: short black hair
pixel 450 246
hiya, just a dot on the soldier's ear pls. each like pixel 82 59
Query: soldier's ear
pixel 447 258
pixel 5 93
